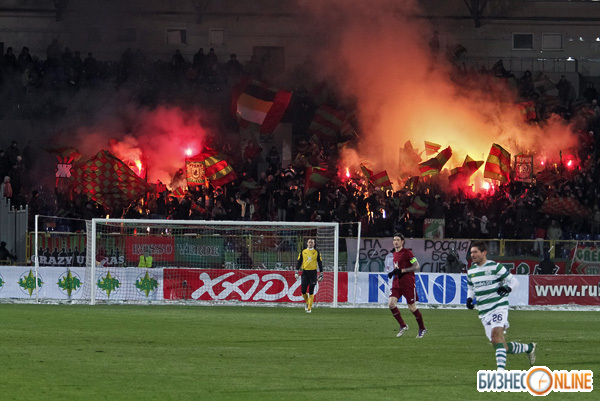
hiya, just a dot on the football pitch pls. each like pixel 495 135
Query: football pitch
pixel 125 352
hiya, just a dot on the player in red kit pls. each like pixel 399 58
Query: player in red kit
pixel 401 266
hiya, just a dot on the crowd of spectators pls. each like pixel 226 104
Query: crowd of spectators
pixel 277 193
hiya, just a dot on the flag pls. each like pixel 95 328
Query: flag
pixel 179 192
pixel 497 166
pixel 381 180
pixel 470 166
pixel 160 187
pixel 409 160
pixel 195 172
pixel 565 206
pixel 347 130
pixel 216 169
pixel 109 181
pixel 250 184
pixel 434 165
pixel 460 175
pixel 197 208
pixel 527 110
pixel 255 102
pixel 326 123
pixel 411 183
pixel 418 207
pixel 524 168
pixel 316 177
pixel 366 172
pixel 431 148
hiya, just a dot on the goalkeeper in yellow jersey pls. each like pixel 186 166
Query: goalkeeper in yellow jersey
pixel 308 261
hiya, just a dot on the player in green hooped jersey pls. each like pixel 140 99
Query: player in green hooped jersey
pixel 490 283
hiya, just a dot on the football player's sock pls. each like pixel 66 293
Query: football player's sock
pixel 396 313
pixel 311 298
pixel 500 356
pixel 419 318
pixel 519 348
pixel 305 296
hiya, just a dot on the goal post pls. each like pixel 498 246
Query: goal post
pixel 140 261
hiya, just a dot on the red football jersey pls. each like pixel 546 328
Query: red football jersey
pixel 403 260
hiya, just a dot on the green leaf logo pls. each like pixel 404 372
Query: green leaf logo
pixel 27 283
pixel 146 284
pixel 69 283
pixel 108 284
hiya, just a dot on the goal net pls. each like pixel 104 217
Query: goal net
pixel 141 261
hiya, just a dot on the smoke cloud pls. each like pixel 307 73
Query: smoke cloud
pixel 377 53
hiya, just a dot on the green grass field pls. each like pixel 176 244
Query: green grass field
pixel 68 352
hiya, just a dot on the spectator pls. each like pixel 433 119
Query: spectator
pixel 244 261
pixel 145 260
pixel 5 255
pixel 590 94
pixel 234 67
pixel 273 159
pixel 7 191
pixel 564 91
pixel 10 61
pixel 13 152
pixel 546 265
pixel 199 62
pixel 4 164
pixel 25 61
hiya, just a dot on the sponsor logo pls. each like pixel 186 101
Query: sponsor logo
pixel 253 287
pixel 109 284
pixel 538 381
pixel 27 282
pixel 69 283
pixel 146 284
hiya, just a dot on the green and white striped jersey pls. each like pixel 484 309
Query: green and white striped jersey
pixel 483 283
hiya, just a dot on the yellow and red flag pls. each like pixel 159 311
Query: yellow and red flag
pixel 381 180
pixel 109 181
pixel 316 177
pixel 434 165
pixel 209 165
pixel 431 148
pixel 497 166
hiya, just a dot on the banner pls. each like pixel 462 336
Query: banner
pixel 434 228
pixel 586 260
pixel 245 285
pixel 561 290
pixel 524 168
pixel 59 283
pixel 195 172
pixel 528 266
pixel 431 254
pixel 200 252
pixel 209 165
pixel 432 288
pixel 159 247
